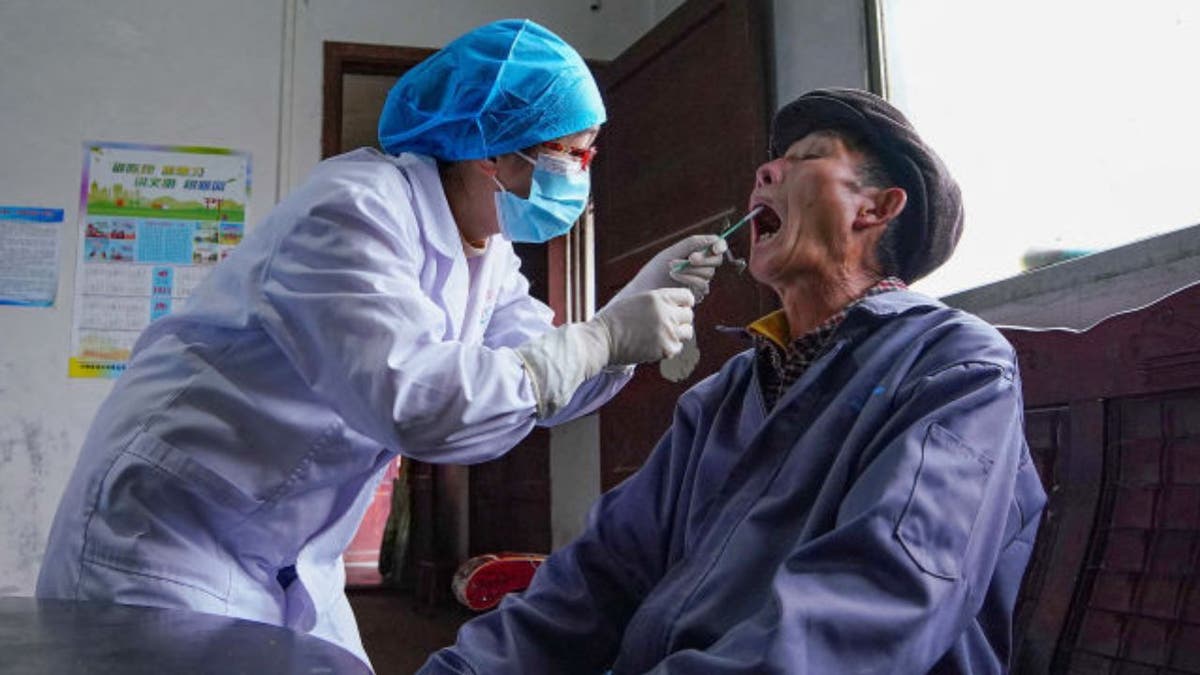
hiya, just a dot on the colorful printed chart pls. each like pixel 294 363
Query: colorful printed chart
pixel 29 255
pixel 154 220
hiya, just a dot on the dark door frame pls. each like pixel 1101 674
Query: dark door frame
pixel 559 272
pixel 352 58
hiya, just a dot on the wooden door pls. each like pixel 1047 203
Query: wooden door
pixel 688 115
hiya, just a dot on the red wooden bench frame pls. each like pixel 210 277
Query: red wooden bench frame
pixel 1113 422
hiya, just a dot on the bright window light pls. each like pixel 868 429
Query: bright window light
pixel 1071 126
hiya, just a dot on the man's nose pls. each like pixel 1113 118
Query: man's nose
pixel 768 173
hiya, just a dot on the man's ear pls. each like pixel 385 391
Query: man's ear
pixel 881 208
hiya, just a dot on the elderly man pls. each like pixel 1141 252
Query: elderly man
pixel 852 495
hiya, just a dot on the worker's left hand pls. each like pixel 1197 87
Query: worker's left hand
pixel 704 253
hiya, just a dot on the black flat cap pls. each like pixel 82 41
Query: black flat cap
pixel 932 220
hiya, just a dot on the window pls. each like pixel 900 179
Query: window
pixel 1071 126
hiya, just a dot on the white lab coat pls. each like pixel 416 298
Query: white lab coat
pixel 252 427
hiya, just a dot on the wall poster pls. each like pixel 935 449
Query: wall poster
pixel 29 255
pixel 153 221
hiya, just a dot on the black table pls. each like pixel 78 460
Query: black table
pixel 62 636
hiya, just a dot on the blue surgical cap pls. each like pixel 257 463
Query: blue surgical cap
pixel 500 88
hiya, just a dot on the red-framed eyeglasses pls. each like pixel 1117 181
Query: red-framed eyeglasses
pixel 584 155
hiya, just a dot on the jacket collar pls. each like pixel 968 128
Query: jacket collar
pixel 429 203
pixel 890 302
pixel 894 303
pixel 881 306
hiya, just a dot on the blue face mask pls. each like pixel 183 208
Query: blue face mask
pixel 557 198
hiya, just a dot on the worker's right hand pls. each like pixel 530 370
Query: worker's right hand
pixel 688 263
pixel 637 328
pixel 647 326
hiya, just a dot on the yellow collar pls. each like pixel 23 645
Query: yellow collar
pixel 774 327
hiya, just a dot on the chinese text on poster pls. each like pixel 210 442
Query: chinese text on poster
pixel 29 255
pixel 153 222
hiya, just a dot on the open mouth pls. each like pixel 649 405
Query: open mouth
pixel 766 224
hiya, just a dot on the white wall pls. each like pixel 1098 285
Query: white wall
pixel 818 43
pixel 113 70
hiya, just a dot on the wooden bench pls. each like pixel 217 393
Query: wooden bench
pixel 1113 421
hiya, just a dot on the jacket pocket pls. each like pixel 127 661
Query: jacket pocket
pixel 109 582
pixel 157 515
pixel 937 522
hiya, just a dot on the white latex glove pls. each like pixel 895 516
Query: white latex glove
pixel 648 326
pixel 640 328
pixel 704 253
pixel 680 366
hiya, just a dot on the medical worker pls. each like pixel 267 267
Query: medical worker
pixel 374 312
